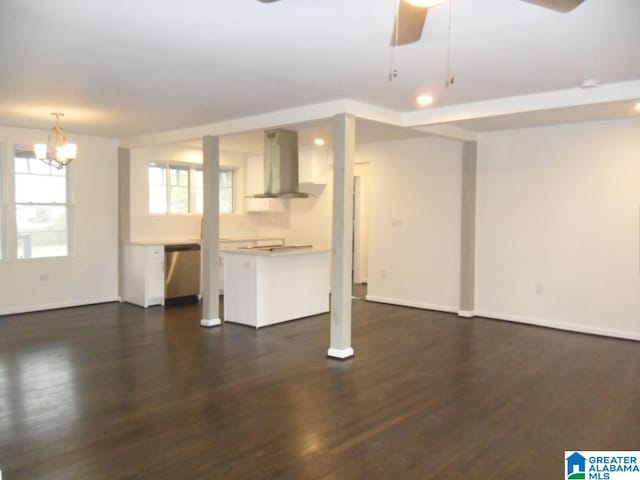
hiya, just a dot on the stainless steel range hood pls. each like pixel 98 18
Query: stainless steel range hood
pixel 281 165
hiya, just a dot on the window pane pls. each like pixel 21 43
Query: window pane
pixel 179 176
pixel 157 199
pixel 226 200
pixel 179 199
pixel 157 188
pixel 199 192
pixel 42 230
pixel 40 188
pixel 179 189
pixel 226 191
pixel 226 178
pixel 39 167
pixel 157 175
pixel 22 165
pixel 183 177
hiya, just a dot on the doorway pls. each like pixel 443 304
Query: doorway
pixel 358 265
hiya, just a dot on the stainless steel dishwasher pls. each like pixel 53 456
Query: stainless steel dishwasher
pixel 182 271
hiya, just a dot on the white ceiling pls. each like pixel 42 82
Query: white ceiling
pixel 130 68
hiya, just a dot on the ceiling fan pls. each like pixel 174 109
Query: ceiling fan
pixel 412 14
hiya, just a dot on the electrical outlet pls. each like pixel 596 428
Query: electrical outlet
pixel 43 278
pixel 538 289
pixel 383 273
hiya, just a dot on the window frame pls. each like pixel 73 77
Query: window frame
pixel 221 170
pixel 193 187
pixel 68 204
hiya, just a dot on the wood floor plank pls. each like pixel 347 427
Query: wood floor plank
pixel 114 391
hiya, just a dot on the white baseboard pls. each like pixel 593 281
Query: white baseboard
pixel 340 353
pixel 558 325
pixel 570 327
pixel 56 305
pixel 409 303
pixel 210 322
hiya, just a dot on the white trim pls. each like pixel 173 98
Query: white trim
pixel 410 303
pixel 340 353
pixel 210 322
pixel 449 131
pixel 263 121
pixel 57 305
pixel 571 97
pixel 466 313
pixel 558 325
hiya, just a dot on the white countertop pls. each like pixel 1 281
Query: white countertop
pixel 199 241
pixel 275 253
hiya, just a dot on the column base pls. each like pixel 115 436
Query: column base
pixel 340 353
pixel 466 313
pixel 210 322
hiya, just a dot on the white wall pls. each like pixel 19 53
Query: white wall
pixel 414 221
pixel 558 226
pixel 90 274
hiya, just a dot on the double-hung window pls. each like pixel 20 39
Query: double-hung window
pixel 225 193
pixel 42 208
pixel 169 187
pixel 180 189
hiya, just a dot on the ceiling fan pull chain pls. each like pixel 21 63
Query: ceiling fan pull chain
pixel 393 71
pixel 450 77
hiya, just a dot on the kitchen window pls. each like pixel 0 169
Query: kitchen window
pixel 168 188
pixel 42 208
pixel 225 185
pixel 176 189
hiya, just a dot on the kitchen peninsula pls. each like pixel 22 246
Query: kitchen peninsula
pixel 264 286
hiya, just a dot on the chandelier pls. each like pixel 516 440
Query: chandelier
pixel 56 152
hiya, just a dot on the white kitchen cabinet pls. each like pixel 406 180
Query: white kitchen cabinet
pixel 143 280
pixel 226 244
pixel 255 184
pixel 313 165
pixel 264 288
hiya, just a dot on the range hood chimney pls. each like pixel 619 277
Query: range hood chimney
pixel 281 165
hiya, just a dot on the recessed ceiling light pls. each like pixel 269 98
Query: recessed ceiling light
pixel 589 83
pixel 424 3
pixel 318 142
pixel 424 100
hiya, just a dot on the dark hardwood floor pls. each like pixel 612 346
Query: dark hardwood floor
pixel 114 391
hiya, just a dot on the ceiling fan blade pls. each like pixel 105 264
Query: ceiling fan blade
pixel 557 5
pixel 409 24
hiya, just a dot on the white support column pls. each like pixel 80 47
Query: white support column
pixel 344 145
pixel 210 231
pixel 468 230
pixel 124 211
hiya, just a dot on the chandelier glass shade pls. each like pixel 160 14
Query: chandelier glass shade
pixel 424 3
pixel 56 152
